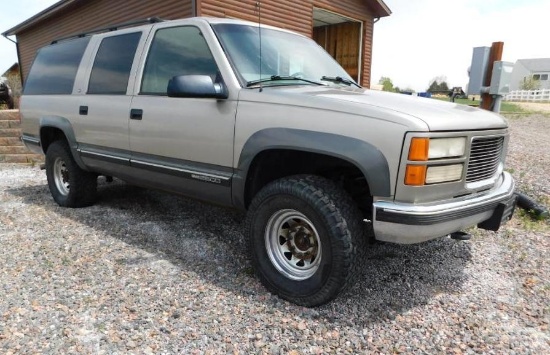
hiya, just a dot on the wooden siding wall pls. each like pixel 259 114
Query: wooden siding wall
pixel 87 15
pixel 290 14
pixel 297 16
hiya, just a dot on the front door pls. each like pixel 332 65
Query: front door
pixel 185 144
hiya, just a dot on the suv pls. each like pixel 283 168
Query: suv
pixel 321 165
pixel 6 95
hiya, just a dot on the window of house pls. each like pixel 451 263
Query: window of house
pixel 54 69
pixel 113 63
pixel 176 51
pixel 544 77
pixel 536 76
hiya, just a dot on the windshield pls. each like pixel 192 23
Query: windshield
pixel 285 57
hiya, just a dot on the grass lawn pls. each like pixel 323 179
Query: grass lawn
pixel 506 107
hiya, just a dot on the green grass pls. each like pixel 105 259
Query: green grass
pixel 506 107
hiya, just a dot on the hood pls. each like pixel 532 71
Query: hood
pixel 437 115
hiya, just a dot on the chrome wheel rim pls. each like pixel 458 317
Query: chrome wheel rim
pixel 293 244
pixel 61 176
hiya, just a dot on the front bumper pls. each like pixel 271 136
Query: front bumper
pixel 406 223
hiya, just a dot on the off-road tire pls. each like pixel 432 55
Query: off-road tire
pixel 338 223
pixel 73 187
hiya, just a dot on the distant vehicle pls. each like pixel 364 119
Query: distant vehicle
pixel 6 95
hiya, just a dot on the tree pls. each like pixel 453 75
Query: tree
pixel 530 83
pixel 14 82
pixel 439 83
pixel 387 84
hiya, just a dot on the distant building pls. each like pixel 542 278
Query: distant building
pixel 13 70
pixel 538 69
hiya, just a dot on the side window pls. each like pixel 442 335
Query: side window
pixel 176 51
pixel 54 69
pixel 113 63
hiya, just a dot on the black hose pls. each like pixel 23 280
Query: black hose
pixel 531 206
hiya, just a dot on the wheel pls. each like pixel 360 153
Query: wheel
pixel 304 234
pixel 69 185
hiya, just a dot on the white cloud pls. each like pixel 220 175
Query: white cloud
pixel 423 39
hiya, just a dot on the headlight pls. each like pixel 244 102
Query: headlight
pixel 428 149
pixel 423 149
pixel 447 148
pixel 443 173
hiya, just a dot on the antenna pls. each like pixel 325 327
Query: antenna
pixel 259 6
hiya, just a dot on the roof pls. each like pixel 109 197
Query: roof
pixel 536 64
pixel 379 8
pixel 14 67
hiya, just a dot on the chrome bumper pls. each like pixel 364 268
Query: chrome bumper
pixel 405 223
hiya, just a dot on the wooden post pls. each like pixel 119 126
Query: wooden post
pixel 495 55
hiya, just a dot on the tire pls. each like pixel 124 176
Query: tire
pixel 304 235
pixel 11 103
pixel 69 185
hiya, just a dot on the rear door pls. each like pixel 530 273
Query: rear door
pixel 102 127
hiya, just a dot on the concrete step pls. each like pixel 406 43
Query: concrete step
pixel 9 115
pixel 18 149
pixel 10 132
pixel 10 141
pixel 21 158
pixel 9 124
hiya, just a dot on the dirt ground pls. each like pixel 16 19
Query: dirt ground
pixel 534 106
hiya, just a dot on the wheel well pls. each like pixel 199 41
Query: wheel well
pixel 271 165
pixel 48 135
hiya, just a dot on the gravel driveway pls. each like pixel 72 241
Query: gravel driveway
pixel 146 272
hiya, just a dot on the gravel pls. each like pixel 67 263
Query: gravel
pixel 146 272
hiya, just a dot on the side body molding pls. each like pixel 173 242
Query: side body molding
pixel 365 156
pixel 65 126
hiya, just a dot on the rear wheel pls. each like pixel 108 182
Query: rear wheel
pixel 69 185
pixel 304 235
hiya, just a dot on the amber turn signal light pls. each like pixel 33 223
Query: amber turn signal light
pixel 415 175
pixel 419 148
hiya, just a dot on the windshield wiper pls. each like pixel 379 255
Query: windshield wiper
pixel 280 78
pixel 340 80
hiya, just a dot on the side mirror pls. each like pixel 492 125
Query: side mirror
pixel 200 86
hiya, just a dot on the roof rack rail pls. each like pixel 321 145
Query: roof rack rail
pixel 111 28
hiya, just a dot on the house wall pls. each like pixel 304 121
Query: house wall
pixel 83 16
pixel 518 73
pixel 297 16
pixel 88 15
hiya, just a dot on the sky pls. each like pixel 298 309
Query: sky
pixel 421 40
pixel 424 39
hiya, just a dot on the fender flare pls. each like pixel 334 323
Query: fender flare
pixel 363 155
pixel 64 126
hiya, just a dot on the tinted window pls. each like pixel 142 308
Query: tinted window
pixel 176 51
pixel 54 69
pixel 113 63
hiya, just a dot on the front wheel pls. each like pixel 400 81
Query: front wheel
pixel 69 185
pixel 304 234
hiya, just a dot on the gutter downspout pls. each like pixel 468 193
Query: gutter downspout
pixel 18 56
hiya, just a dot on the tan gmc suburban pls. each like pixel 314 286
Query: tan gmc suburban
pixel 201 107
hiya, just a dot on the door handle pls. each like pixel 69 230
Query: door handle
pixel 83 110
pixel 136 114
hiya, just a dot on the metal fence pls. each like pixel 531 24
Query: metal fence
pixel 542 95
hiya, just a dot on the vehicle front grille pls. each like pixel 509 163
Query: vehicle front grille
pixel 485 156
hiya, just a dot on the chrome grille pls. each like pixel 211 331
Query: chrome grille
pixel 485 156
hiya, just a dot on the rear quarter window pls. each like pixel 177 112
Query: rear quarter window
pixel 54 69
pixel 113 63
